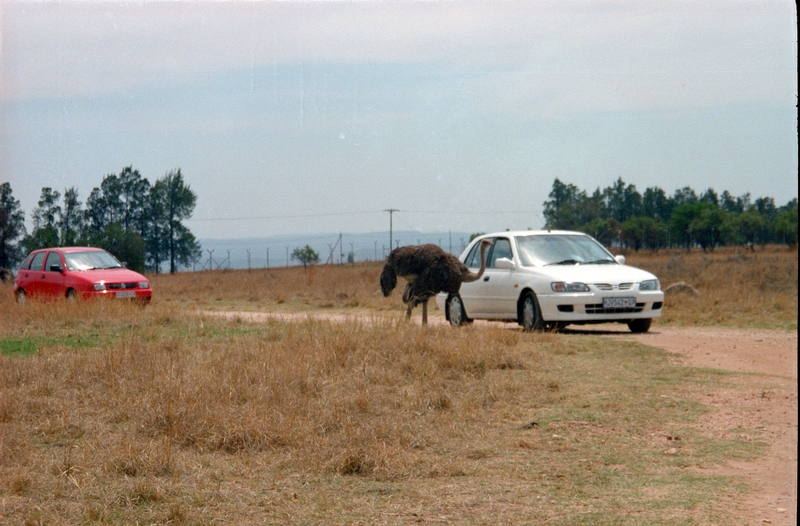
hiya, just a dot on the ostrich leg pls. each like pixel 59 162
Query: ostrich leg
pixel 425 312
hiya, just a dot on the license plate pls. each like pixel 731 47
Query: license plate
pixel 619 303
pixel 126 294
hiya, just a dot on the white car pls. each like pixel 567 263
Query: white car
pixel 553 279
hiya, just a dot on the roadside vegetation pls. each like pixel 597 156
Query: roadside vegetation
pixel 115 414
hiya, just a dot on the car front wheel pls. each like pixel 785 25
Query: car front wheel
pixel 530 313
pixel 21 297
pixel 455 310
pixel 640 325
pixel 72 296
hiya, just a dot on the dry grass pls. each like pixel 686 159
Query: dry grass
pixel 110 413
pixel 737 287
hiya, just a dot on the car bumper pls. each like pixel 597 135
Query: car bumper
pixel 588 307
pixel 141 295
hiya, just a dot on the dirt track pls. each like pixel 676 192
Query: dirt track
pixel 765 402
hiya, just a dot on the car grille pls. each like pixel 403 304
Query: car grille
pixel 608 286
pixel 121 286
pixel 597 308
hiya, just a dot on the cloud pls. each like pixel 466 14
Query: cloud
pixel 544 58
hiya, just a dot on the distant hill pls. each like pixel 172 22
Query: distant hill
pixel 233 253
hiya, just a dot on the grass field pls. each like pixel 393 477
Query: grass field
pixel 115 414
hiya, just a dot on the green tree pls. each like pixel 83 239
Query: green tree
pixel 656 204
pixel 681 222
pixel 748 227
pixel 705 227
pixel 133 193
pixel 643 232
pixel 306 256
pixel 12 227
pixel 174 201
pixel 124 244
pixel 606 231
pixel 70 219
pixel 564 208
pixel 45 222
pixel 784 227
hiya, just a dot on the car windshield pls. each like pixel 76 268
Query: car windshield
pixel 90 260
pixel 561 250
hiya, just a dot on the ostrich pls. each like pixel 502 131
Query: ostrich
pixel 429 270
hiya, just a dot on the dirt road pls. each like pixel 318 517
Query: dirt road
pixel 765 401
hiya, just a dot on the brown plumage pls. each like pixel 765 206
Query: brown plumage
pixel 429 270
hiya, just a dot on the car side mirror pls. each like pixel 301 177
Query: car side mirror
pixel 620 259
pixel 56 268
pixel 124 264
pixel 504 263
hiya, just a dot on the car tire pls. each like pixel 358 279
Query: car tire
pixel 456 314
pixel 530 314
pixel 21 297
pixel 72 296
pixel 640 325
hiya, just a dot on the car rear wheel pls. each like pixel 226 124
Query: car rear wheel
pixel 640 325
pixel 530 313
pixel 455 311
pixel 21 297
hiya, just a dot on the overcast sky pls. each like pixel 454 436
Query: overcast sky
pixel 310 117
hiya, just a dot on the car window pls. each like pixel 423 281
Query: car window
pixel 561 249
pixel 474 259
pixel 501 249
pixel 52 259
pixel 90 260
pixel 26 263
pixel 38 261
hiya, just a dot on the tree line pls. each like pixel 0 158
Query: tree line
pixel 140 223
pixel 620 215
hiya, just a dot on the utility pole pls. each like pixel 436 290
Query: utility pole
pixel 391 211
pixel 248 259
pixel 376 249
pixel 267 257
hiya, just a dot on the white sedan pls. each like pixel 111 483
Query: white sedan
pixel 553 279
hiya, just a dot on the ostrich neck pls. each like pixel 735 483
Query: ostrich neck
pixel 475 276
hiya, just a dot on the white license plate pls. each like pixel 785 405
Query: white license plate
pixel 126 294
pixel 619 303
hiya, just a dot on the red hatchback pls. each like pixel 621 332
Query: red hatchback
pixel 78 272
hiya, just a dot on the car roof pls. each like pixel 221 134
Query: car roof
pixel 73 249
pixel 519 233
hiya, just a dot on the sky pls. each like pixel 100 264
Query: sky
pixel 308 117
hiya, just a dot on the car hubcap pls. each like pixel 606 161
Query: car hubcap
pixel 455 311
pixel 527 313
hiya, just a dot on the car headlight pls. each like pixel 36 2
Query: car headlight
pixel 650 284
pixel 144 285
pixel 561 286
pixel 99 286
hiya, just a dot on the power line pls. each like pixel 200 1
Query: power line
pixel 329 214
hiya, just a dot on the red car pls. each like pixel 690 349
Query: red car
pixel 78 272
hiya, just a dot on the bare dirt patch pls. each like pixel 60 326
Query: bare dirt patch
pixel 765 401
